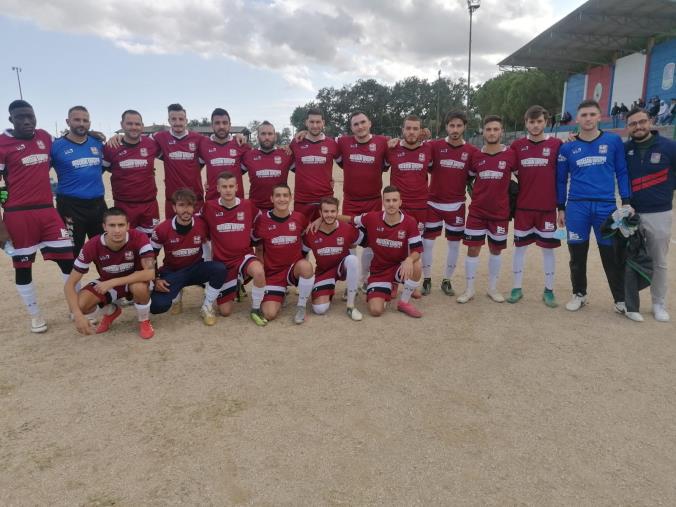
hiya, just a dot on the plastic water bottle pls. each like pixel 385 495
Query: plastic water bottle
pixel 560 234
pixel 8 248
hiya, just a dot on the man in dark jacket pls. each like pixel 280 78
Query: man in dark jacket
pixel 651 161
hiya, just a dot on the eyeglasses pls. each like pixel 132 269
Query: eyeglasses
pixel 635 124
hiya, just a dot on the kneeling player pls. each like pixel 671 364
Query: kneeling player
pixel 331 244
pixel 278 233
pixel 182 238
pixel 125 262
pixel 397 245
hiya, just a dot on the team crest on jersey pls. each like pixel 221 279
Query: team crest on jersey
pixel 603 149
pixel 40 144
pixel 240 216
pixel 144 152
pixel 546 152
pixel 372 147
pixel 655 158
pixel 421 157
pixel 192 146
pixel 292 226
pixel 197 239
pixel 401 234
pixel 95 150
pixel 464 156
pixel 340 241
pixel 278 159
pixel 324 150
pixel 128 255
pixel 502 164
pixel 233 152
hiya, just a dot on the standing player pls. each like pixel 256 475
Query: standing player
pixel 535 217
pixel 397 245
pixel 230 220
pixel 132 168
pixel 77 159
pixel 593 162
pixel 30 220
pixel 313 157
pixel 182 238
pixel 221 152
pixel 182 168
pixel 331 244
pixel 446 201
pixel 266 166
pixel 278 233
pixel 125 262
pixel 489 210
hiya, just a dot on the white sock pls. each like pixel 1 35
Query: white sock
pixel 109 309
pixel 427 255
pixel 352 278
pixel 366 258
pixel 142 311
pixel 257 294
pixel 549 266
pixel 210 295
pixel 471 264
pixel 517 266
pixel 305 289
pixel 179 297
pixel 494 262
pixel 207 253
pixel 29 298
pixel 64 276
pixel 409 287
pixel 452 258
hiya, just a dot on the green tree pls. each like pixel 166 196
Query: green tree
pixel 204 122
pixel 284 137
pixel 253 128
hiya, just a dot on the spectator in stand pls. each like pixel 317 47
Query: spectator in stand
pixel 615 114
pixel 640 103
pixel 654 107
pixel 565 119
pixel 663 114
pixel 623 111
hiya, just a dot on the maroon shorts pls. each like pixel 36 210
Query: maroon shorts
pixel 380 284
pixel 142 216
pixel 37 229
pixel 236 272
pixel 535 227
pixel 309 209
pixel 325 283
pixel 420 215
pixel 476 230
pixel 354 208
pixel 453 223
pixel 277 282
pixel 117 292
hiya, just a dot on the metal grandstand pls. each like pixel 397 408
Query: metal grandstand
pixel 597 33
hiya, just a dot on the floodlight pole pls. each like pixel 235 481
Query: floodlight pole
pixel 472 5
pixel 18 79
pixel 438 92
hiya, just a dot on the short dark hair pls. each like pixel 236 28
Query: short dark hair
pixel 131 111
pixel 412 117
pixel 265 123
pixel 636 110
pixel 77 108
pixel 16 104
pixel 226 175
pixel 314 111
pixel 492 117
pixel 589 103
pixel 175 107
pixel 390 188
pixel 357 113
pixel 185 195
pixel 329 199
pixel 534 112
pixel 114 212
pixel 455 115
pixel 281 185
pixel 219 111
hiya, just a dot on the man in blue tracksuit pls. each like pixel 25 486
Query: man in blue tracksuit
pixel 651 160
pixel 592 163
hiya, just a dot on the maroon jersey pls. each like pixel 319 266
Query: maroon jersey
pixel 230 229
pixel 409 173
pixel 329 248
pixel 132 170
pixel 181 163
pixel 281 239
pixel 114 263
pixel 363 165
pixel 450 171
pixel 536 165
pixel 314 168
pixel 391 244
pixel 180 250
pixel 490 195
pixel 24 167
pixel 265 170
pixel 219 158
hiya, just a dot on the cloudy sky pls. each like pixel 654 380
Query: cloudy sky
pixel 257 58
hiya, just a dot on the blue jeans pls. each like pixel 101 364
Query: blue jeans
pixel 202 272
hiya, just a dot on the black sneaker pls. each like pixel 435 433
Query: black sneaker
pixel 426 286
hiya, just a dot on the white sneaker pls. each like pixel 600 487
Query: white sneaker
pixel 635 316
pixel 576 302
pixel 496 296
pixel 660 313
pixel 620 307
pixel 466 297
pixel 354 314
pixel 208 315
pixel 38 324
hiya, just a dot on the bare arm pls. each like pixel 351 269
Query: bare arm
pixel 82 324
pixel 144 275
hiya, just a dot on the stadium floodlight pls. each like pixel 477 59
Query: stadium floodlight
pixel 472 5
pixel 17 70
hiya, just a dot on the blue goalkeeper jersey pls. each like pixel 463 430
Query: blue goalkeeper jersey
pixel 78 168
pixel 592 167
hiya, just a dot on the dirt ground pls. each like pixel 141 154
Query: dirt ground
pixel 481 404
